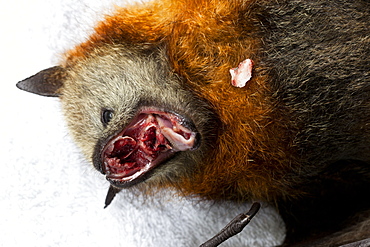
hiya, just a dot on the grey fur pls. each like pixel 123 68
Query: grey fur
pixel 125 80
pixel 318 53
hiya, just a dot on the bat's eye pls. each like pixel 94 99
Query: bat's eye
pixel 106 116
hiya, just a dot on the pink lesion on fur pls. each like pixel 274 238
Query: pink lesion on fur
pixel 241 74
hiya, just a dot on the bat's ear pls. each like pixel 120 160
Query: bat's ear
pixel 46 83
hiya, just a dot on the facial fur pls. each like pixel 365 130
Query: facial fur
pixel 137 79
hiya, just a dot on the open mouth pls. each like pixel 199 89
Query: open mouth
pixel 150 139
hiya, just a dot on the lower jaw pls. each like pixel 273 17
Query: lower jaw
pixel 126 184
pixel 140 175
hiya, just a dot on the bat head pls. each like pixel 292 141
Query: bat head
pixel 132 117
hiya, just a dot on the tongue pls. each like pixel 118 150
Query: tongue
pixel 149 140
pixel 181 138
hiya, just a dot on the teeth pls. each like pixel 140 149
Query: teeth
pixel 151 139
